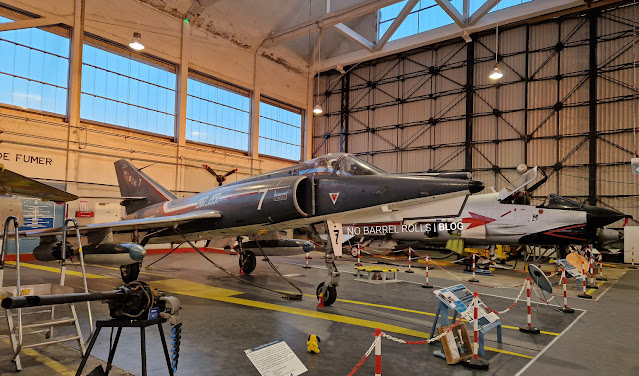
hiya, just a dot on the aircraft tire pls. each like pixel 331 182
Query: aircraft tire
pixel 130 272
pixel 330 296
pixel 354 251
pixel 248 262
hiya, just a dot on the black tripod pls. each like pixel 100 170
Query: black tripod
pixel 142 324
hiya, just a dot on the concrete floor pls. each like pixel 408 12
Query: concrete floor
pixel 223 317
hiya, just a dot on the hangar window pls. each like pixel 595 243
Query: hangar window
pixel 127 89
pixel 427 15
pixel 34 67
pixel 217 113
pixel 280 130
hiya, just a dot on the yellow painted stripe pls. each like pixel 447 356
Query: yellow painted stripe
pixel 56 270
pixel 179 286
pixel 420 312
pixel 56 366
pixel 141 271
pixel 589 292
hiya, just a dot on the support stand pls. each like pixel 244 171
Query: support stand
pixel 142 324
pixel 442 317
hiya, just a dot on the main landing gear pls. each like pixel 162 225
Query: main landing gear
pixel 247 259
pixel 130 272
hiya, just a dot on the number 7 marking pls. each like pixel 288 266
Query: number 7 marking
pixel 263 191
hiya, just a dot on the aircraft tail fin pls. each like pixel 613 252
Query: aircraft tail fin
pixel 141 190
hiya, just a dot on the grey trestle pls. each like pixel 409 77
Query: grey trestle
pixel 23 323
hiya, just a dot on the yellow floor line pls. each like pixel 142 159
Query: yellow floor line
pixel 56 366
pixel 141 271
pixel 179 286
pixel 56 270
pixel 425 313
pixel 589 292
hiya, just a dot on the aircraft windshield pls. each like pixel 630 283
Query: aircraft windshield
pixel 351 165
pixel 558 202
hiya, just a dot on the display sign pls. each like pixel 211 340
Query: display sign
pixel 570 268
pixel 458 297
pixel 37 214
pixel 275 359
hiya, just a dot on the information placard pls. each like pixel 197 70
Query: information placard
pixel 275 359
pixel 458 297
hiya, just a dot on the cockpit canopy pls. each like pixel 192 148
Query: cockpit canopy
pixel 337 164
pixel 557 202
pixel 340 164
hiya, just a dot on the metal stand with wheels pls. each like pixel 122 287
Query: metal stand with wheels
pixel 142 324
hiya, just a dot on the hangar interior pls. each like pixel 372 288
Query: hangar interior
pixel 259 128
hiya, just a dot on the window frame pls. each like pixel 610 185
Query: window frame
pixel 141 57
pixel 288 107
pixel 208 79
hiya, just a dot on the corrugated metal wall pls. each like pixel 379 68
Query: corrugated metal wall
pixel 411 112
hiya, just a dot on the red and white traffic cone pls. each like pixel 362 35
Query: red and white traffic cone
pixel 529 328
pixel 601 276
pixel 474 264
pixel 583 294
pixel 475 362
pixel 410 253
pixel 378 353
pixel 566 309
pixel 306 266
pixel 427 285
pixel 591 266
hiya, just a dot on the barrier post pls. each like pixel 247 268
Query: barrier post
pixel 566 309
pixel 475 362
pixel 583 294
pixel 601 276
pixel 427 285
pixel 378 352
pixel 306 266
pixel 410 253
pixel 474 278
pixel 359 254
pixel 591 269
pixel 529 328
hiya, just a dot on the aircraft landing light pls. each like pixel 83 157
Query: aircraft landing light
pixel 56 270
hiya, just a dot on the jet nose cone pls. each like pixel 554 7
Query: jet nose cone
pixel 475 186
pixel 599 217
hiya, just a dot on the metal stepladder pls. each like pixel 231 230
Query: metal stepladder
pixel 30 318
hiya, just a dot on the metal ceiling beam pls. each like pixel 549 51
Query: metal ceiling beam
pixel 408 7
pixel 328 20
pixel 355 37
pixel 26 24
pixel 453 12
pixel 481 12
pixel 508 15
pixel 316 47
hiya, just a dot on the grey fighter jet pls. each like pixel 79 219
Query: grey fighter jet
pixel 334 189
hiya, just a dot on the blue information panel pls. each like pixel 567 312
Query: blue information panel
pixel 37 214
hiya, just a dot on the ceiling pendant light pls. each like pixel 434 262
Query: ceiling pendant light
pixel 136 42
pixel 496 73
pixel 318 109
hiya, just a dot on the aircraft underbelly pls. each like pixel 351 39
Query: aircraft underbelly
pixel 446 204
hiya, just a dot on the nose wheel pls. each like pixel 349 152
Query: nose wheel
pixel 247 261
